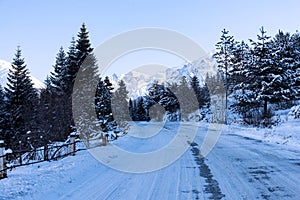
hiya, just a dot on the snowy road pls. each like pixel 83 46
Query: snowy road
pixel 238 168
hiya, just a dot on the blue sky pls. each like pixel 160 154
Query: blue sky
pixel 41 27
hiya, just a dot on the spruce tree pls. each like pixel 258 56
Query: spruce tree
pixel 131 109
pixel 241 59
pixel 187 98
pixel 200 94
pixel 47 117
pixel 72 67
pixel 103 105
pixel 140 110
pixel 286 65
pixel 4 119
pixel 263 71
pixel 65 73
pixel 83 98
pixel 83 45
pixel 223 56
pixel 58 76
pixel 244 96
pixel 295 39
pixel 160 94
pixel 22 102
pixel 57 94
pixel 120 108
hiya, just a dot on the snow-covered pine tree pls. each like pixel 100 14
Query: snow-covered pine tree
pixel 83 45
pixel 72 67
pixel 83 98
pixel 160 94
pixel 2 113
pixel 131 109
pixel 295 39
pixel 22 102
pixel 141 112
pixel 46 115
pixel 223 56
pixel 47 119
pixel 103 105
pixel 187 98
pixel 285 73
pixel 205 96
pixel 201 92
pixel 4 118
pixel 66 72
pixel 241 58
pixel 264 73
pixel 120 107
pixel 196 87
pixel 58 76
pixel 56 95
pixel 242 79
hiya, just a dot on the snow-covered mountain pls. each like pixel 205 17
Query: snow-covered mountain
pixel 4 69
pixel 137 80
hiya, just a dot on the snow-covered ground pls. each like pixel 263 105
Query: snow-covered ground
pixel 287 133
pixel 246 163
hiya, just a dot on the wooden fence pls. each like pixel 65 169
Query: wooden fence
pixel 10 160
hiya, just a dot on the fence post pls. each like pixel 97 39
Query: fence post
pixel 72 145
pixel 104 139
pixel 20 159
pixel 3 172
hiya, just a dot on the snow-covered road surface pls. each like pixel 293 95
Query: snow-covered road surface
pixel 238 167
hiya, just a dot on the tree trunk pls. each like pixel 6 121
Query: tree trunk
pixel 265 108
pixel 46 152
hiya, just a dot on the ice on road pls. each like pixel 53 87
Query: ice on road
pixel 238 167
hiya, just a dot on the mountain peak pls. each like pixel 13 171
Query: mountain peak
pixel 4 70
pixel 138 79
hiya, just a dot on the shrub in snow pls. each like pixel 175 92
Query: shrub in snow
pixel 295 112
pixel 8 151
pixel 255 117
pixel 198 115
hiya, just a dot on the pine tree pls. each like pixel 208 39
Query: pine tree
pixel 196 88
pixel 162 95
pixel 47 117
pixel 2 113
pixel 72 67
pixel 84 98
pixel 4 119
pixel 202 93
pixel 131 109
pixel 83 45
pixel 223 56
pixel 58 76
pixel 263 71
pixel 79 53
pixel 186 97
pixel 120 108
pixel 286 64
pixel 242 82
pixel 295 39
pixel 58 94
pixel 295 42
pixel 141 111
pixel 22 101
pixel 103 105
pixel 241 59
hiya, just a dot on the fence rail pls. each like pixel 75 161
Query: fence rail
pixel 8 161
